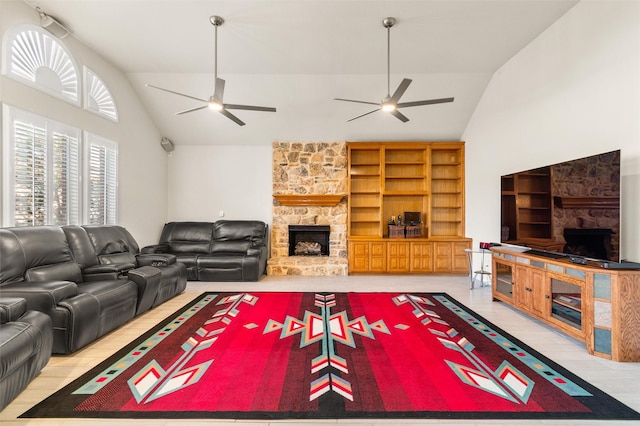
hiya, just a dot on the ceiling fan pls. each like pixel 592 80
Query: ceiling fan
pixel 215 102
pixel 390 103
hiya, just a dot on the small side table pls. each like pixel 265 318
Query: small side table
pixel 482 272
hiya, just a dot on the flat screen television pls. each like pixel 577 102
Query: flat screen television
pixel 571 207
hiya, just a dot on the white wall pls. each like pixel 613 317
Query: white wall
pixel 142 162
pixel 203 180
pixel 573 92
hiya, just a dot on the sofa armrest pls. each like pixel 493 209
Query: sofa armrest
pixel 254 252
pixel 147 279
pixel 159 259
pixel 107 271
pixel 11 308
pixel 41 296
pixel 156 248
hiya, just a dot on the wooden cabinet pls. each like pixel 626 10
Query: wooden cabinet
pixel 450 256
pixel 367 256
pixel 385 180
pixel 593 304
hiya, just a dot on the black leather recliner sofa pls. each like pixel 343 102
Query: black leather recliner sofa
pixel 226 250
pixel 37 265
pixel 26 339
pixel 110 251
pixel 87 293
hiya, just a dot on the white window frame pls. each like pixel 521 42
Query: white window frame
pixel 82 166
pixel 97 96
pixel 38 49
pixel 109 174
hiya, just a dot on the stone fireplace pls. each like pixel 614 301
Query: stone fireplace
pixel 309 187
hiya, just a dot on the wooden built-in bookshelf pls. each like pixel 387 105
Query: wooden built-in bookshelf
pixel 387 179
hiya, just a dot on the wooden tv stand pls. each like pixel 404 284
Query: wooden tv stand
pixel 596 305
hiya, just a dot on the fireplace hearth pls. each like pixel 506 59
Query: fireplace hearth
pixel 309 240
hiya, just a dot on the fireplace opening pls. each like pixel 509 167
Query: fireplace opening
pixel 589 242
pixel 309 240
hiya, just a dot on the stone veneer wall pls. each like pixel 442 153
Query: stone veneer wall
pixel 313 168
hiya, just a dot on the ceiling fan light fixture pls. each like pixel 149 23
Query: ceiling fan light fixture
pixel 215 105
pixel 388 106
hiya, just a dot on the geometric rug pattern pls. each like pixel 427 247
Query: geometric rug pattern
pixel 272 355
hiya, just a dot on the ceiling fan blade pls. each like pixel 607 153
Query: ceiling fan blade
pixel 400 90
pixel 218 94
pixel 399 115
pixel 232 117
pixel 191 110
pixel 176 93
pixel 249 107
pixel 429 102
pixel 360 102
pixel 366 113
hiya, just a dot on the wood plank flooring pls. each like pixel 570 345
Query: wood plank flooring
pixel 620 380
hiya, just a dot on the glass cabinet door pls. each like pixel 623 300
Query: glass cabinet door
pixel 503 274
pixel 566 302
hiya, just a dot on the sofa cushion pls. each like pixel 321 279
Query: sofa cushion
pixel 236 247
pixel 109 239
pixel 230 230
pixel 29 247
pixel 187 231
pixel 12 261
pixel 189 247
pixel 81 247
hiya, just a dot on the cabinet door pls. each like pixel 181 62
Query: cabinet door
pixel 459 256
pixel 539 299
pixel 359 256
pixel 442 257
pixel 398 256
pixel 377 257
pixel 530 290
pixel 522 292
pixel 565 304
pixel 421 257
pixel 502 276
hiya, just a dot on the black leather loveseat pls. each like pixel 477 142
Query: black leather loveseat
pixel 226 250
pixel 26 338
pixel 58 271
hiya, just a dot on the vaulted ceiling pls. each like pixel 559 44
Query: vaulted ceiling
pixel 298 55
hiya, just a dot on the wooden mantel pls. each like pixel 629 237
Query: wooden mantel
pixel 587 202
pixel 309 199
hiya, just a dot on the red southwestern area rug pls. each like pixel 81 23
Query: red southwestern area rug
pixel 329 355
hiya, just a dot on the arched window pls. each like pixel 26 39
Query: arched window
pixel 97 97
pixel 39 59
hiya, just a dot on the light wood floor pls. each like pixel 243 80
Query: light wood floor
pixel 621 380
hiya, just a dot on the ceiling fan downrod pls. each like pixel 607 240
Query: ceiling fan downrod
pixel 216 21
pixel 388 23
